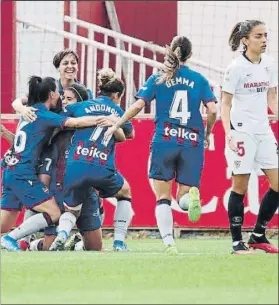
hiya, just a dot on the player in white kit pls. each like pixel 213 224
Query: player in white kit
pixel 249 88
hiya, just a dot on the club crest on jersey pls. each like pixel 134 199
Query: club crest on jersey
pixel 237 163
pixel 10 159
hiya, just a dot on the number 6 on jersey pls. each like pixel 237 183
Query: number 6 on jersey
pixel 179 107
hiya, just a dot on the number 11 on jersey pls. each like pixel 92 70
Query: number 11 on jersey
pixel 179 107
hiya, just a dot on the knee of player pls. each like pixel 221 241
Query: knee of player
pixel 125 191
pixel 274 187
pixel 93 247
pixel 240 184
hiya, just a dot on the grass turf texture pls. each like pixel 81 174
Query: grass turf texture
pixel 203 273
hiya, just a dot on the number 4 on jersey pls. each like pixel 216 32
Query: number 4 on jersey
pixel 179 107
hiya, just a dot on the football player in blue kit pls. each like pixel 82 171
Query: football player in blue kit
pixel 52 170
pixel 21 185
pixel 177 149
pixel 91 161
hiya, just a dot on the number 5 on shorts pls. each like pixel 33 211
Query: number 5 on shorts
pixel 241 149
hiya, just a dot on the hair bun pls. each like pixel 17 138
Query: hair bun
pixel 105 76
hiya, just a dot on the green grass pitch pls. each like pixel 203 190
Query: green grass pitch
pixel 203 273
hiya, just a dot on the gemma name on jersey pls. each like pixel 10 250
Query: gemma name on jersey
pixel 180 81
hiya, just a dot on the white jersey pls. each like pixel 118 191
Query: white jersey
pixel 249 83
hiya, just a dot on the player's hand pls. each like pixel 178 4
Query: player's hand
pixel 113 118
pixel 231 143
pixel 104 121
pixel 29 114
pixel 110 131
pixel 107 121
pixel 206 141
pixel 3 129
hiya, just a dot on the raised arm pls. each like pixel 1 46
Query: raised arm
pixel 90 121
pixel 81 122
pixel 28 113
pixel 8 135
pixel 131 112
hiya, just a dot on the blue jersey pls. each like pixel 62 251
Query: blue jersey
pixel 178 118
pixel 88 144
pixel 118 111
pixel 53 160
pixel 30 139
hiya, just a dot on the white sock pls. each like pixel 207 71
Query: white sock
pixel 28 214
pixel 66 222
pixel 122 217
pixel 165 223
pixel 184 202
pixel 31 225
pixel 34 244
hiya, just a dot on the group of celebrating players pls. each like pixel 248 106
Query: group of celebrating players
pixel 61 163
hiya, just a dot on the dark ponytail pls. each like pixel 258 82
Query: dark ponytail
pixel 234 40
pixel 39 89
pixel 242 30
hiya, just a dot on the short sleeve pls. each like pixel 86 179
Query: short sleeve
pixel 52 119
pixel 147 91
pixel 231 79
pixel 207 94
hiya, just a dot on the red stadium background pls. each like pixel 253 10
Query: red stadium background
pixel 132 157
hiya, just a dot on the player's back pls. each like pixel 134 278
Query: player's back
pixel 178 100
pixel 30 138
pixel 88 144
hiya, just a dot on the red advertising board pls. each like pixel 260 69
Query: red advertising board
pixel 132 162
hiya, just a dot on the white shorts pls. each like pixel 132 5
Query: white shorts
pixel 255 152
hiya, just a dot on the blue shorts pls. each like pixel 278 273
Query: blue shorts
pixel 176 161
pixel 80 177
pixel 89 219
pixel 20 190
